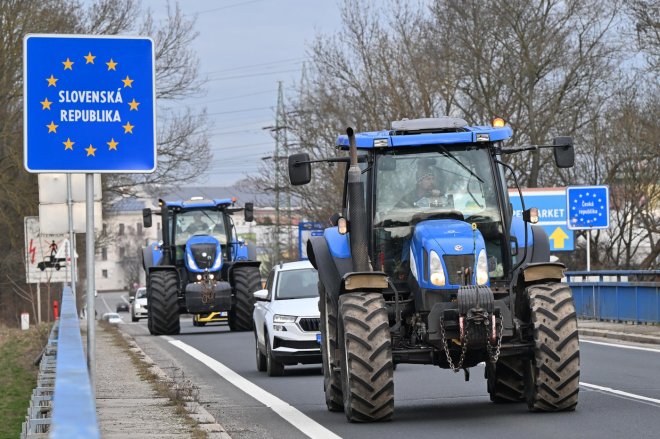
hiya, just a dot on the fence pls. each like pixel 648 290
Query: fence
pixel 63 404
pixel 628 296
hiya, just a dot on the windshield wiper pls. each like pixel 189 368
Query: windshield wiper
pixel 451 156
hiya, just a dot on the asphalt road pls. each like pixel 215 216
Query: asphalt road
pixel 619 395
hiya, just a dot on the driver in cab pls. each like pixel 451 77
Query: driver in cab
pixel 425 194
pixel 198 225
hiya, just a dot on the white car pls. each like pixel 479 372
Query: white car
pixel 286 318
pixel 139 304
pixel 112 317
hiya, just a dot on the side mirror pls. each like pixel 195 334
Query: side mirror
pixel 260 295
pixel 131 298
pixel 564 152
pixel 248 210
pixel 146 217
pixel 300 170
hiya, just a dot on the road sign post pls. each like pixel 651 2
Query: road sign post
pixel 89 107
pixel 588 208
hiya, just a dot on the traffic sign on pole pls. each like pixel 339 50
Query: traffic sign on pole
pixel 551 203
pixel 588 207
pixel 89 104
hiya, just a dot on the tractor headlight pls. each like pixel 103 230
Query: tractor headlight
pixel 191 261
pixel 482 268
pixel 437 273
pixel 279 318
pixel 218 261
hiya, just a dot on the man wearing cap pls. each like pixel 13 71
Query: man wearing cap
pixel 424 189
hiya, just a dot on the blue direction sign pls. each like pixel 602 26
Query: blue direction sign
pixel 588 207
pixel 89 104
pixel 551 203
pixel 305 231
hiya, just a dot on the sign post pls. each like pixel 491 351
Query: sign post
pixel 89 107
pixel 588 208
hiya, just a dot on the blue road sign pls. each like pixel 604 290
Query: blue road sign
pixel 89 104
pixel 588 207
pixel 305 231
pixel 551 203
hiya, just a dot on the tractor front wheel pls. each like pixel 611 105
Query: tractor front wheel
pixel 552 376
pixel 163 316
pixel 367 370
pixel 247 280
pixel 331 374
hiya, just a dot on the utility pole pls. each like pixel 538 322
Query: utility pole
pixel 281 127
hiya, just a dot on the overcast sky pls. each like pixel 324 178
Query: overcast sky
pixel 245 47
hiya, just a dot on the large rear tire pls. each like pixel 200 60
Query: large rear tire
pixel 506 382
pixel 163 303
pixel 552 376
pixel 247 280
pixel 366 363
pixel 331 374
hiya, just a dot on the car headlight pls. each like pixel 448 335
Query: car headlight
pixel 435 266
pixel 279 318
pixel 191 261
pixel 137 306
pixel 482 268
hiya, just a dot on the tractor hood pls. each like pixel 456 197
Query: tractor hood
pixel 457 246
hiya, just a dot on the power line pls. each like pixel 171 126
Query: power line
pixel 227 78
pixel 250 66
pixel 221 8
pixel 231 98
pixel 239 111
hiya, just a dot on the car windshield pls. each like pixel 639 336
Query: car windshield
pixel 141 293
pixel 297 284
pixel 200 222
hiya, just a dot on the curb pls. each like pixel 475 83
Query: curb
pixel 636 338
pixel 205 421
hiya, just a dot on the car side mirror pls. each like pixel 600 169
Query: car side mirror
pixel 261 295
pixel 248 211
pixel 564 152
pixel 300 170
pixel 146 217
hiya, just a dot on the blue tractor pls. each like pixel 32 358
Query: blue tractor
pixel 426 264
pixel 199 266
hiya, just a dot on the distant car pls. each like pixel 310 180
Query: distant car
pixel 112 317
pixel 286 318
pixel 139 304
pixel 122 307
pixel 213 317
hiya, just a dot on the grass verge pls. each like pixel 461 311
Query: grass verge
pixel 18 377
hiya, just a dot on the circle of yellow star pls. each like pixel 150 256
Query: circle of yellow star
pixel 134 105
pixel 112 145
pixel 89 58
pixel 68 64
pixel 111 65
pixel 128 128
pixel 128 82
pixel 52 128
pixel 68 144
pixel 52 81
pixel 45 104
pixel 90 150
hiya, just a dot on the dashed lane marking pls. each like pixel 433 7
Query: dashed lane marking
pixel 621 393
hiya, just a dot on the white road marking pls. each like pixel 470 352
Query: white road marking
pixel 622 346
pixel 620 393
pixel 289 413
pixel 106 304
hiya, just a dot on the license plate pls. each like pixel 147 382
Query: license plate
pixel 318 338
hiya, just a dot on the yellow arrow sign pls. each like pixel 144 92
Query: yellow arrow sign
pixel 559 236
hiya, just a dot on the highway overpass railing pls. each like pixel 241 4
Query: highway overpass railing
pixel 63 404
pixel 617 295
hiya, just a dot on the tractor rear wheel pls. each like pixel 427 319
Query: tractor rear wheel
pixel 247 280
pixel 331 374
pixel 506 380
pixel 552 376
pixel 163 304
pixel 366 358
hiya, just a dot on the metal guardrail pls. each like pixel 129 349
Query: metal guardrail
pixel 63 404
pixel 618 295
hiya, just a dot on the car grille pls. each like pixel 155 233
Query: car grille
pixel 310 324
pixel 295 344
pixel 456 264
